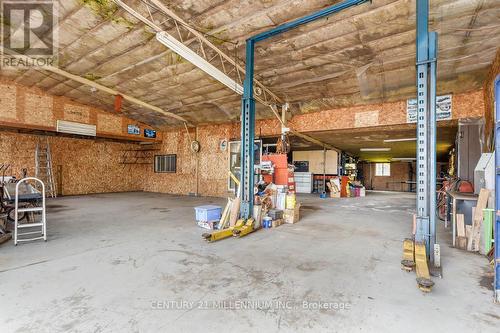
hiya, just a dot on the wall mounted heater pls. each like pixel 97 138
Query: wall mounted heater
pixel 76 128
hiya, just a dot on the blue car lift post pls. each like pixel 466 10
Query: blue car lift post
pixel 497 189
pixel 248 102
pixel 426 130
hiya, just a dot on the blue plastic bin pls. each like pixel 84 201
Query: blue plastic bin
pixel 208 213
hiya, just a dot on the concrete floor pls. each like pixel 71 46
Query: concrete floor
pixel 115 263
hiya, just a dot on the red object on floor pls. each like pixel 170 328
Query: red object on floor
pixel 343 186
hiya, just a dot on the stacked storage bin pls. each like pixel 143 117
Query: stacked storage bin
pixel 280 162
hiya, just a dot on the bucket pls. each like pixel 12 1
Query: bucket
pixel 267 222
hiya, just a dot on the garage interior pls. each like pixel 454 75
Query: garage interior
pixel 256 166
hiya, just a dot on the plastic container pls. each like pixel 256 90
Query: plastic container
pixel 267 222
pixel 208 213
pixel 275 214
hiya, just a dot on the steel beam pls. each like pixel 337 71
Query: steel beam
pixel 433 46
pixel 497 189
pixel 426 129
pixel 248 137
pixel 248 102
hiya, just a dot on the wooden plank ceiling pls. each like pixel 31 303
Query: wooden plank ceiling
pixel 360 56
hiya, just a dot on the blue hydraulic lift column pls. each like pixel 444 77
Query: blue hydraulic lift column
pixel 426 129
pixel 497 189
pixel 248 102
pixel 247 136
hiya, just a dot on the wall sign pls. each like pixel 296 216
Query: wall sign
pixel 149 133
pixel 133 129
pixel 443 109
pixel 223 145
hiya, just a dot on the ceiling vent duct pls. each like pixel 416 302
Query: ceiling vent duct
pixel 75 128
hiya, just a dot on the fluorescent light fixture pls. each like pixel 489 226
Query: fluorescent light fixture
pixel 375 149
pixel 198 61
pixel 400 140
pixel 404 159
pixel 75 128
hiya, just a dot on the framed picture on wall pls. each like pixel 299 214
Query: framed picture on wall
pixel 149 133
pixel 133 129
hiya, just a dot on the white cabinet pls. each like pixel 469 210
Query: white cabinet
pixel 303 182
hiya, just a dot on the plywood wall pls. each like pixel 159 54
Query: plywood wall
pixel 317 161
pixel 401 172
pixel 204 173
pixel 82 166
pixel 31 108
pixel 489 100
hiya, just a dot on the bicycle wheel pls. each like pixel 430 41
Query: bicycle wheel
pixel 11 215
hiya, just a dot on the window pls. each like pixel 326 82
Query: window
pixel 382 169
pixel 166 163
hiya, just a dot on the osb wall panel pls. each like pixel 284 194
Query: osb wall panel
pixel 109 123
pixel 211 162
pixel 489 100
pixel 468 105
pixel 366 119
pixel 87 166
pixel 38 110
pixel 90 166
pixel 214 163
pixel 400 172
pixel 7 102
pixel 77 113
pixel 184 180
pixel 23 107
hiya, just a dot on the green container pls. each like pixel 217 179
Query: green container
pixel 488 218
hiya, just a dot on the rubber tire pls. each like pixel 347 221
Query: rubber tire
pixel 21 216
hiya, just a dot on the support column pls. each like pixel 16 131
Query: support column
pixel 433 46
pixel 248 136
pixel 497 189
pixel 426 129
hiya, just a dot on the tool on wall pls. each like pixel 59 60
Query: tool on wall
pixel 43 166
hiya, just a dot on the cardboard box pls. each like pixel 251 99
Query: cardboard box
pixel 334 187
pixel 461 242
pixel 277 223
pixel 292 215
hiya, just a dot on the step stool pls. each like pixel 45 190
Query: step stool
pixel 42 232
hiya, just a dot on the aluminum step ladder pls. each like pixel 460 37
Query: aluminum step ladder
pixel 43 166
pixel 38 229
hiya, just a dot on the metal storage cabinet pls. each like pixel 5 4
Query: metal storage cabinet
pixel 469 149
pixel 303 182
